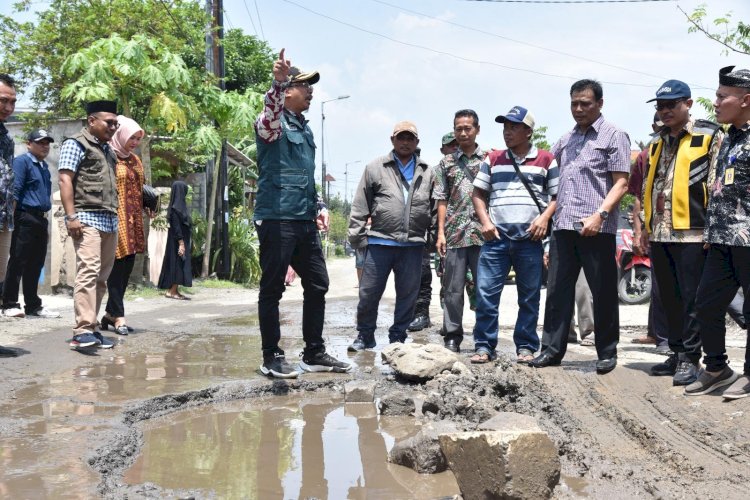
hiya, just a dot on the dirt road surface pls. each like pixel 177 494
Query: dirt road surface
pixel 178 408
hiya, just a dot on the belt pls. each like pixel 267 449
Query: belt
pixel 33 211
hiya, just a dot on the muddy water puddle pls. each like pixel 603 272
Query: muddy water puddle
pixel 283 447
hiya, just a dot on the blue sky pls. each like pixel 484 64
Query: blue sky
pixel 632 48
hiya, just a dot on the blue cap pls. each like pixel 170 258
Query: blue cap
pixel 671 90
pixel 518 115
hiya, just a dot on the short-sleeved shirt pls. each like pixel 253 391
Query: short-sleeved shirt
pixel 462 228
pixel 511 208
pixel 71 155
pixel 587 161
pixel 729 205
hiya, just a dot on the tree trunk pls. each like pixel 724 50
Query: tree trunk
pixel 210 221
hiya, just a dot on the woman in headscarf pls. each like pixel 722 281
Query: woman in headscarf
pixel 130 236
pixel 176 269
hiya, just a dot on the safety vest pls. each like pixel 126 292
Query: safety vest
pixel 689 194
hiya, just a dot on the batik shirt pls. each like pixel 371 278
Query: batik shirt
pixel 7 178
pixel 661 222
pixel 729 205
pixel 462 227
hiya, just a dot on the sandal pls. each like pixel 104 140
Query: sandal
pixel 480 358
pixel 645 340
pixel 524 356
pixel 588 341
pixel 175 297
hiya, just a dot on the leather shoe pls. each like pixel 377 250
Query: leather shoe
pixel 453 345
pixel 420 322
pixel 544 360
pixel 606 365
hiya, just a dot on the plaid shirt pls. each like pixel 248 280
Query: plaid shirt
pixel 462 228
pixel 586 162
pixel 71 154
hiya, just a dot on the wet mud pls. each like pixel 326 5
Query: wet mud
pixel 179 409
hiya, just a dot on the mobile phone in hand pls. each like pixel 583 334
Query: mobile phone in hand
pixel 578 226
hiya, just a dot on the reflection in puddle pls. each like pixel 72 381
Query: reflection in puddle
pixel 284 449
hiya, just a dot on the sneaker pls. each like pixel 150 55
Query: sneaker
pixel 420 322
pixel 14 312
pixel 668 367
pixel 104 342
pixel 687 373
pixel 740 388
pixel 84 340
pixel 43 312
pixel 7 353
pixel 275 365
pixel 708 383
pixel 361 343
pixel 321 361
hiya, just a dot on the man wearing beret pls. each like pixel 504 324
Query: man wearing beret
pixel 395 193
pixel 33 192
pixel 88 192
pixel 674 208
pixel 727 237
pixel 287 218
pixel 7 106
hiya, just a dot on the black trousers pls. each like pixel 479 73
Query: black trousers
pixel 596 254
pixel 677 268
pixel 117 283
pixel 726 269
pixel 425 286
pixel 28 249
pixel 295 243
pixel 657 316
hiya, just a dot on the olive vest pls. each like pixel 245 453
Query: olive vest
pixel 689 191
pixel 286 173
pixel 95 183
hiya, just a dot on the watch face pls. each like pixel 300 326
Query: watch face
pixel 603 213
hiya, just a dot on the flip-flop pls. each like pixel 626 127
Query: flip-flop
pixel 587 342
pixel 175 297
pixel 646 340
pixel 480 358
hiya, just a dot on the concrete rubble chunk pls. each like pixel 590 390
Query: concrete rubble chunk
pixel 510 421
pixel 397 403
pixel 517 463
pixel 359 391
pixel 422 452
pixel 418 362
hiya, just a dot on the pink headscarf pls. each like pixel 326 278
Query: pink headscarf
pixel 128 127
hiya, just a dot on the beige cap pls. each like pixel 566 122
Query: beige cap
pixel 405 126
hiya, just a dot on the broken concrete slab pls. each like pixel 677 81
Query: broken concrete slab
pixel 502 464
pixel 360 391
pixel 397 403
pixel 422 452
pixel 510 422
pixel 418 362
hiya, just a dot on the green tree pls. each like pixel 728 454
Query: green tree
pixel 539 138
pixel 733 37
pixel 338 226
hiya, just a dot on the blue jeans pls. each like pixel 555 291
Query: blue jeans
pixel 495 260
pixel 406 264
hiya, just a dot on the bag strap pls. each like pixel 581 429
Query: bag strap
pixel 525 182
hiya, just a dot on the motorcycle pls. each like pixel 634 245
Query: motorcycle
pixel 633 271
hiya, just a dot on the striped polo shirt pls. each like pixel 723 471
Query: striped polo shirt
pixel 511 207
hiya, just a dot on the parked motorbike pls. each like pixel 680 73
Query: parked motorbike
pixel 633 271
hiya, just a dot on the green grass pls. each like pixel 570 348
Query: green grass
pixel 215 283
pixel 150 292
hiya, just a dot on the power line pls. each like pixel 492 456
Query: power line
pixel 260 23
pixel 251 18
pixel 569 1
pixel 540 47
pixel 178 25
pixel 455 56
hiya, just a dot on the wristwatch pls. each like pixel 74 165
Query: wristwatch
pixel 603 214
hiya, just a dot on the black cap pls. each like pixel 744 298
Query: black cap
pixel 39 135
pixel 734 77
pixel 101 107
pixel 296 75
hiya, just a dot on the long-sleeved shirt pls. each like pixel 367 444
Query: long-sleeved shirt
pixel 32 187
pixel 7 201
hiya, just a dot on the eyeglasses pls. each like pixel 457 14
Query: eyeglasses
pixel 110 123
pixel 304 85
pixel 667 104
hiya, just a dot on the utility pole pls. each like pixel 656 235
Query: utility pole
pixel 323 143
pixel 215 65
pixel 346 179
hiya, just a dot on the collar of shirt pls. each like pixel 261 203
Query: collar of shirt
pixel 533 153
pixel 686 129
pixel 298 118
pixel 410 164
pixel 734 131
pixel 595 126
pixel 34 159
pixel 478 153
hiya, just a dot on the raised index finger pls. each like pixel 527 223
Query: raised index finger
pixel 281 55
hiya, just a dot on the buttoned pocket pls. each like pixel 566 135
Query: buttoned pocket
pixel 292 189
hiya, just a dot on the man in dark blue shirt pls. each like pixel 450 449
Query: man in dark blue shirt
pixel 32 190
